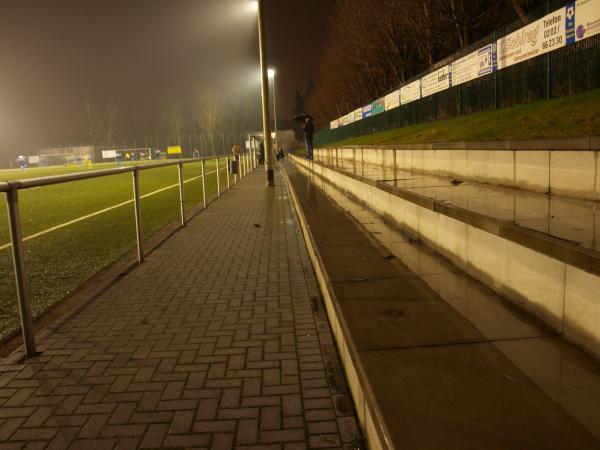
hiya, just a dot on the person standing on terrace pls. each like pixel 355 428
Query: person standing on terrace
pixel 309 131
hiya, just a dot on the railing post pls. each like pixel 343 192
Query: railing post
pixel 203 165
pixel 137 212
pixel 237 171
pixel 228 180
pixel 14 219
pixel 218 177
pixel 181 193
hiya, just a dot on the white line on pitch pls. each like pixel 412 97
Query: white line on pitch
pixel 97 213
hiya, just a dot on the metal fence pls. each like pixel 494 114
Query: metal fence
pixel 245 163
pixel 569 70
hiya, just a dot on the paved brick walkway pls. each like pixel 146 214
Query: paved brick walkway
pixel 218 341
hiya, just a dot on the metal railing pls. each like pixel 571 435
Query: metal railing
pixel 246 162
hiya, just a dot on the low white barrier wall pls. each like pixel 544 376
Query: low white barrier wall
pixel 563 292
pixel 566 167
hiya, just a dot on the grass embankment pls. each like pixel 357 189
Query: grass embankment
pixel 564 117
pixel 61 260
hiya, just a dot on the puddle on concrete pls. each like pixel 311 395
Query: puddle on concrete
pixel 574 220
pixel 563 372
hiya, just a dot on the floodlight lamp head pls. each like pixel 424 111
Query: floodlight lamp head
pixel 271 73
pixel 253 6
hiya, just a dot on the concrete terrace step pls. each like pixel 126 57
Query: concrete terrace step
pixel 495 234
pixel 434 358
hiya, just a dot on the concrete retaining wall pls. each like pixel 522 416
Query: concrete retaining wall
pixel 564 295
pixel 571 168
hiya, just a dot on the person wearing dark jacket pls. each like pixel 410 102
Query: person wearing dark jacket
pixel 309 131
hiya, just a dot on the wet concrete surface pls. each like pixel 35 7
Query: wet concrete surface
pixel 574 220
pixel 452 365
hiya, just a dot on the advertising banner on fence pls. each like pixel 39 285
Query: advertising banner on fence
pixel 410 92
pixel 474 65
pixel 392 100
pixel 109 154
pixel 350 117
pixel 333 124
pixel 435 81
pixel 358 114
pixel 537 38
pixel 378 106
pixel 587 18
pixel 367 111
pixel 345 120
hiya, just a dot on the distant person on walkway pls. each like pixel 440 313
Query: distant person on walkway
pixel 309 132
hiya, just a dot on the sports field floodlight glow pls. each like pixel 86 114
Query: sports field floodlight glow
pixel 271 73
pixel 253 6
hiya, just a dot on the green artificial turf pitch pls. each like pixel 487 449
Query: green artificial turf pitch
pixel 61 260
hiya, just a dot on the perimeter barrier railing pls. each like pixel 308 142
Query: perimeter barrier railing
pixel 246 162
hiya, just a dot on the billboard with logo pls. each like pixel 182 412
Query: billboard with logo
pixel 435 81
pixel 585 15
pixel 410 92
pixel 537 38
pixel 392 100
pixel 378 106
pixel 474 65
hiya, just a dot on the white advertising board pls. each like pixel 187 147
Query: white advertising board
pixel 435 81
pixel 474 65
pixel 350 117
pixel 537 38
pixel 345 120
pixel 392 100
pixel 358 114
pixel 109 154
pixel 410 92
pixel 587 18
pixel 333 124
pixel 33 159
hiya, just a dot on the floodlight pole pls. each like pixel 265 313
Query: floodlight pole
pixel 264 73
pixel 275 113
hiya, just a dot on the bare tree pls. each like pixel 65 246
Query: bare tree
pixel 175 119
pixel 208 114
pixel 375 45
pixel 112 115
pixel 100 121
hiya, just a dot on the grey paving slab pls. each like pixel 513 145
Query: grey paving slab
pixel 218 341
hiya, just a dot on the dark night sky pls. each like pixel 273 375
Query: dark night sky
pixel 54 54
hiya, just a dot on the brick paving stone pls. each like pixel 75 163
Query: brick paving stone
pixel 212 343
